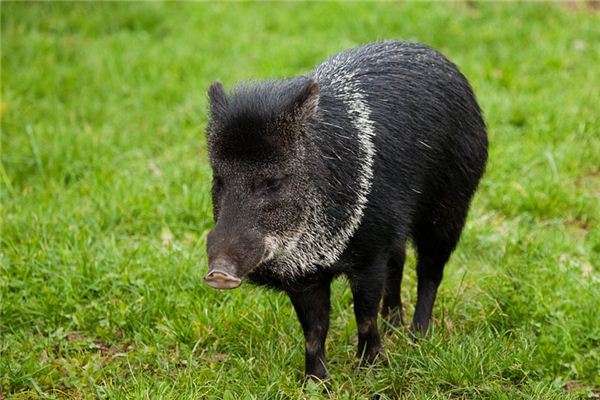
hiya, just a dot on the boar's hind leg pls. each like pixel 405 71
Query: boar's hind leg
pixel 312 307
pixel 434 243
pixel 367 287
pixel 392 302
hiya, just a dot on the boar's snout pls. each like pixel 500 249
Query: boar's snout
pixel 222 275
pixel 231 256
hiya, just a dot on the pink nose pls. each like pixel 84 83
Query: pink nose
pixel 222 280
pixel 222 275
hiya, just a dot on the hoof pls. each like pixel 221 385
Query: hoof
pixel 372 358
pixel 316 378
pixel 392 323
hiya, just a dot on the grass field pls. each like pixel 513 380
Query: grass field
pixel 105 205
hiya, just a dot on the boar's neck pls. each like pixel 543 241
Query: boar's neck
pixel 343 136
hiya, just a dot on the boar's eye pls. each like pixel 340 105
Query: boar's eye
pixel 272 184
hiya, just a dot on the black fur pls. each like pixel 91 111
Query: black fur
pixel 275 147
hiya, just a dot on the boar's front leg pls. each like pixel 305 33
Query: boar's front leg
pixel 367 288
pixel 312 307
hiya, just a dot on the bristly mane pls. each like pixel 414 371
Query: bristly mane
pixel 259 120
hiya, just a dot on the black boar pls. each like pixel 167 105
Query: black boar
pixel 332 172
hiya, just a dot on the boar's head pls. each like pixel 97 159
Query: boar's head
pixel 263 173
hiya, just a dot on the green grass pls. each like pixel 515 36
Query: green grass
pixel 105 205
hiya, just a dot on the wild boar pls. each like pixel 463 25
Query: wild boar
pixel 332 172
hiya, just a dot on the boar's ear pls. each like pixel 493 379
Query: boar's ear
pixel 306 101
pixel 218 99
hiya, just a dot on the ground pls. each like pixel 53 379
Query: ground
pixel 105 205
